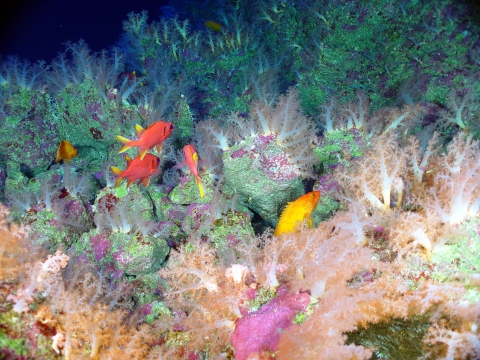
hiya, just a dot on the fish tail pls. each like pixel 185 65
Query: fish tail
pixel 117 173
pixel 139 130
pixel 127 143
pixel 201 187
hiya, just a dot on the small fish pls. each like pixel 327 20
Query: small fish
pixel 296 212
pixel 212 25
pixel 131 75
pixel 138 169
pixel 191 160
pixel 152 136
pixel 66 151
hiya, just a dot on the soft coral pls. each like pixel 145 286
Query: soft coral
pixel 294 131
pixel 457 190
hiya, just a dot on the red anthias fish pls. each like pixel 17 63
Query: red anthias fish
pixel 154 135
pixel 191 160
pixel 138 169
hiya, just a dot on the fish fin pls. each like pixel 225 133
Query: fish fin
pixel 155 173
pixel 117 173
pixel 128 159
pixel 182 165
pixel 122 139
pixel 278 230
pixel 130 183
pixel 59 151
pixel 146 181
pixel 142 153
pixel 124 148
pixel 159 148
pixel 116 170
pixel 205 164
pixel 119 180
pixel 195 159
pixel 286 208
pixel 201 187
pixel 67 159
pixel 139 130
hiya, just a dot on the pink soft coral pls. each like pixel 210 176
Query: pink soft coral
pixel 260 330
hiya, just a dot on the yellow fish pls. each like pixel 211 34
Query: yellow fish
pixel 66 151
pixel 212 25
pixel 296 212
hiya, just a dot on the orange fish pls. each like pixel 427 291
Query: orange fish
pixel 152 136
pixel 66 151
pixel 191 160
pixel 138 169
pixel 296 212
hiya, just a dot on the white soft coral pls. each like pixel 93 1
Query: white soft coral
pixel 457 191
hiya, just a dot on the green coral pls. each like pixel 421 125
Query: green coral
pixel 184 121
pixel 325 208
pixel 339 147
pixel 28 134
pixel 262 296
pixel 359 46
pixel 301 316
pixel 396 338
pixel 158 310
pixel 135 254
pixel 245 178
pixel 459 258
pixel 229 229
pixel 187 192
pixel 24 336
pixel 16 345
pixel 87 118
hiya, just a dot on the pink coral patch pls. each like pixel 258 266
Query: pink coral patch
pixel 260 330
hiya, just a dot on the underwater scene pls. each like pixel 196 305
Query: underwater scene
pixel 246 179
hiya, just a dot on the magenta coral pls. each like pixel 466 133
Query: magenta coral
pixel 260 330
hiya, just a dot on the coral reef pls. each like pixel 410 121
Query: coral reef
pixel 375 105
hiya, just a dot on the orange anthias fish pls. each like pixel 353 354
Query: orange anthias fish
pixel 66 151
pixel 191 160
pixel 296 212
pixel 154 135
pixel 138 169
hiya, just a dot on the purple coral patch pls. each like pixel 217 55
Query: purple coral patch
pixel 238 153
pixel 277 167
pixel 100 245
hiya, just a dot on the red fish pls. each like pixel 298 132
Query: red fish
pixel 66 151
pixel 127 74
pixel 138 169
pixel 191 160
pixel 152 136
